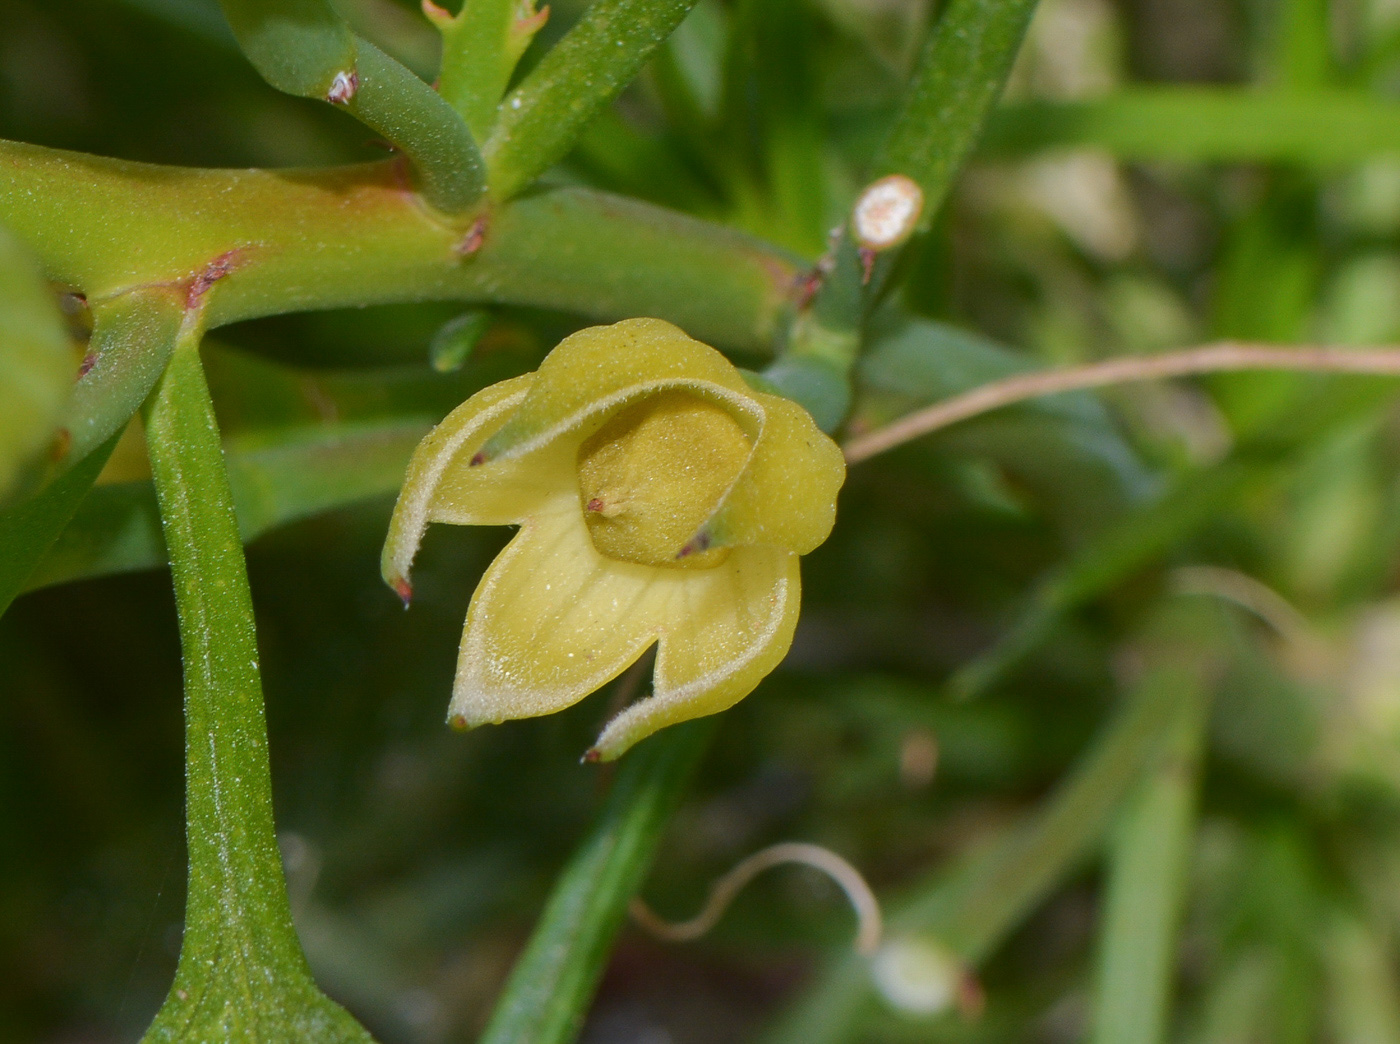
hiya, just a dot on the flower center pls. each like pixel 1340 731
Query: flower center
pixel 652 474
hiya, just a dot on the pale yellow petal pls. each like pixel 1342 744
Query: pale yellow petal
pixel 596 371
pixel 553 620
pixel 441 486
pixel 733 625
pixel 786 496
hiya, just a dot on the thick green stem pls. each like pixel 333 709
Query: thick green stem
pixel 242 975
pixel 265 242
pixel 552 985
pixel 542 118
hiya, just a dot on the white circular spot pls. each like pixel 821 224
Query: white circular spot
pixel 916 976
pixel 887 211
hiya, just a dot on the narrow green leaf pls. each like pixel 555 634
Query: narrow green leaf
pixel 420 123
pixel 242 975
pixel 542 118
pixel 37 363
pixel 304 47
pixel 1128 545
pixel 970 909
pixel 298 46
pixel 1325 128
pixel 351 236
pixel 29 529
pixel 549 991
pixel 1147 864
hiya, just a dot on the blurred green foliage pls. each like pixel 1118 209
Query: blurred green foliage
pixel 995 642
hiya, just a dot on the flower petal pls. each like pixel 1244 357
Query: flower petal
pixel 552 620
pixel 734 627
pixel 441 486
pixel 594 371
pixel 786 495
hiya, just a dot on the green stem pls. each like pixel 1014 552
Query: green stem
pixel 542 118
pixel 1146 886
pixel 549 991
pixel 268 242
pixel 960 75
pixel 242 975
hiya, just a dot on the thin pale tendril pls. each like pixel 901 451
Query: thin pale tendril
pixel 723 891
pixel 1212 358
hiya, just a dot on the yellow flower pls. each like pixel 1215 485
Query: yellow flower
pixel 660 499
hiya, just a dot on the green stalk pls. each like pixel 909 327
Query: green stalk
pixel 242 975
pixel 548 994
pixel 480 48
pixel 542 118
pixel 268 242
pixel 970 910
pixel 1147 864
pixel 959 77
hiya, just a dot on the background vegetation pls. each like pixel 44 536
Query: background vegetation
pixel 1101 693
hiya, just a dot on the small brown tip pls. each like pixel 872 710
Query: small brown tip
pixel 595 505
pixel 699 542
pixel 458 722
pixel 85 367
pixel 592 756
pixel 62 444
pixel 404 590
pixel 479 457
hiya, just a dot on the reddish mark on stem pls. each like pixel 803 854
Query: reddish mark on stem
pixel 62 443
pixel 867 264
pixel 85 367
pixel 595 505
pixel 211 274
pixel 470 243
pixel 404 590
pixel 592 756
pixel 458 722
pixel 479 457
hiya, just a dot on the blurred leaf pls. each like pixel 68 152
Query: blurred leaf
pixel 1206 125
pixel 242 975
pixel 37 364
pixel 29 529
pixel 968 910
pixel 552 985
pixel 1147 864
pixel 1066 446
